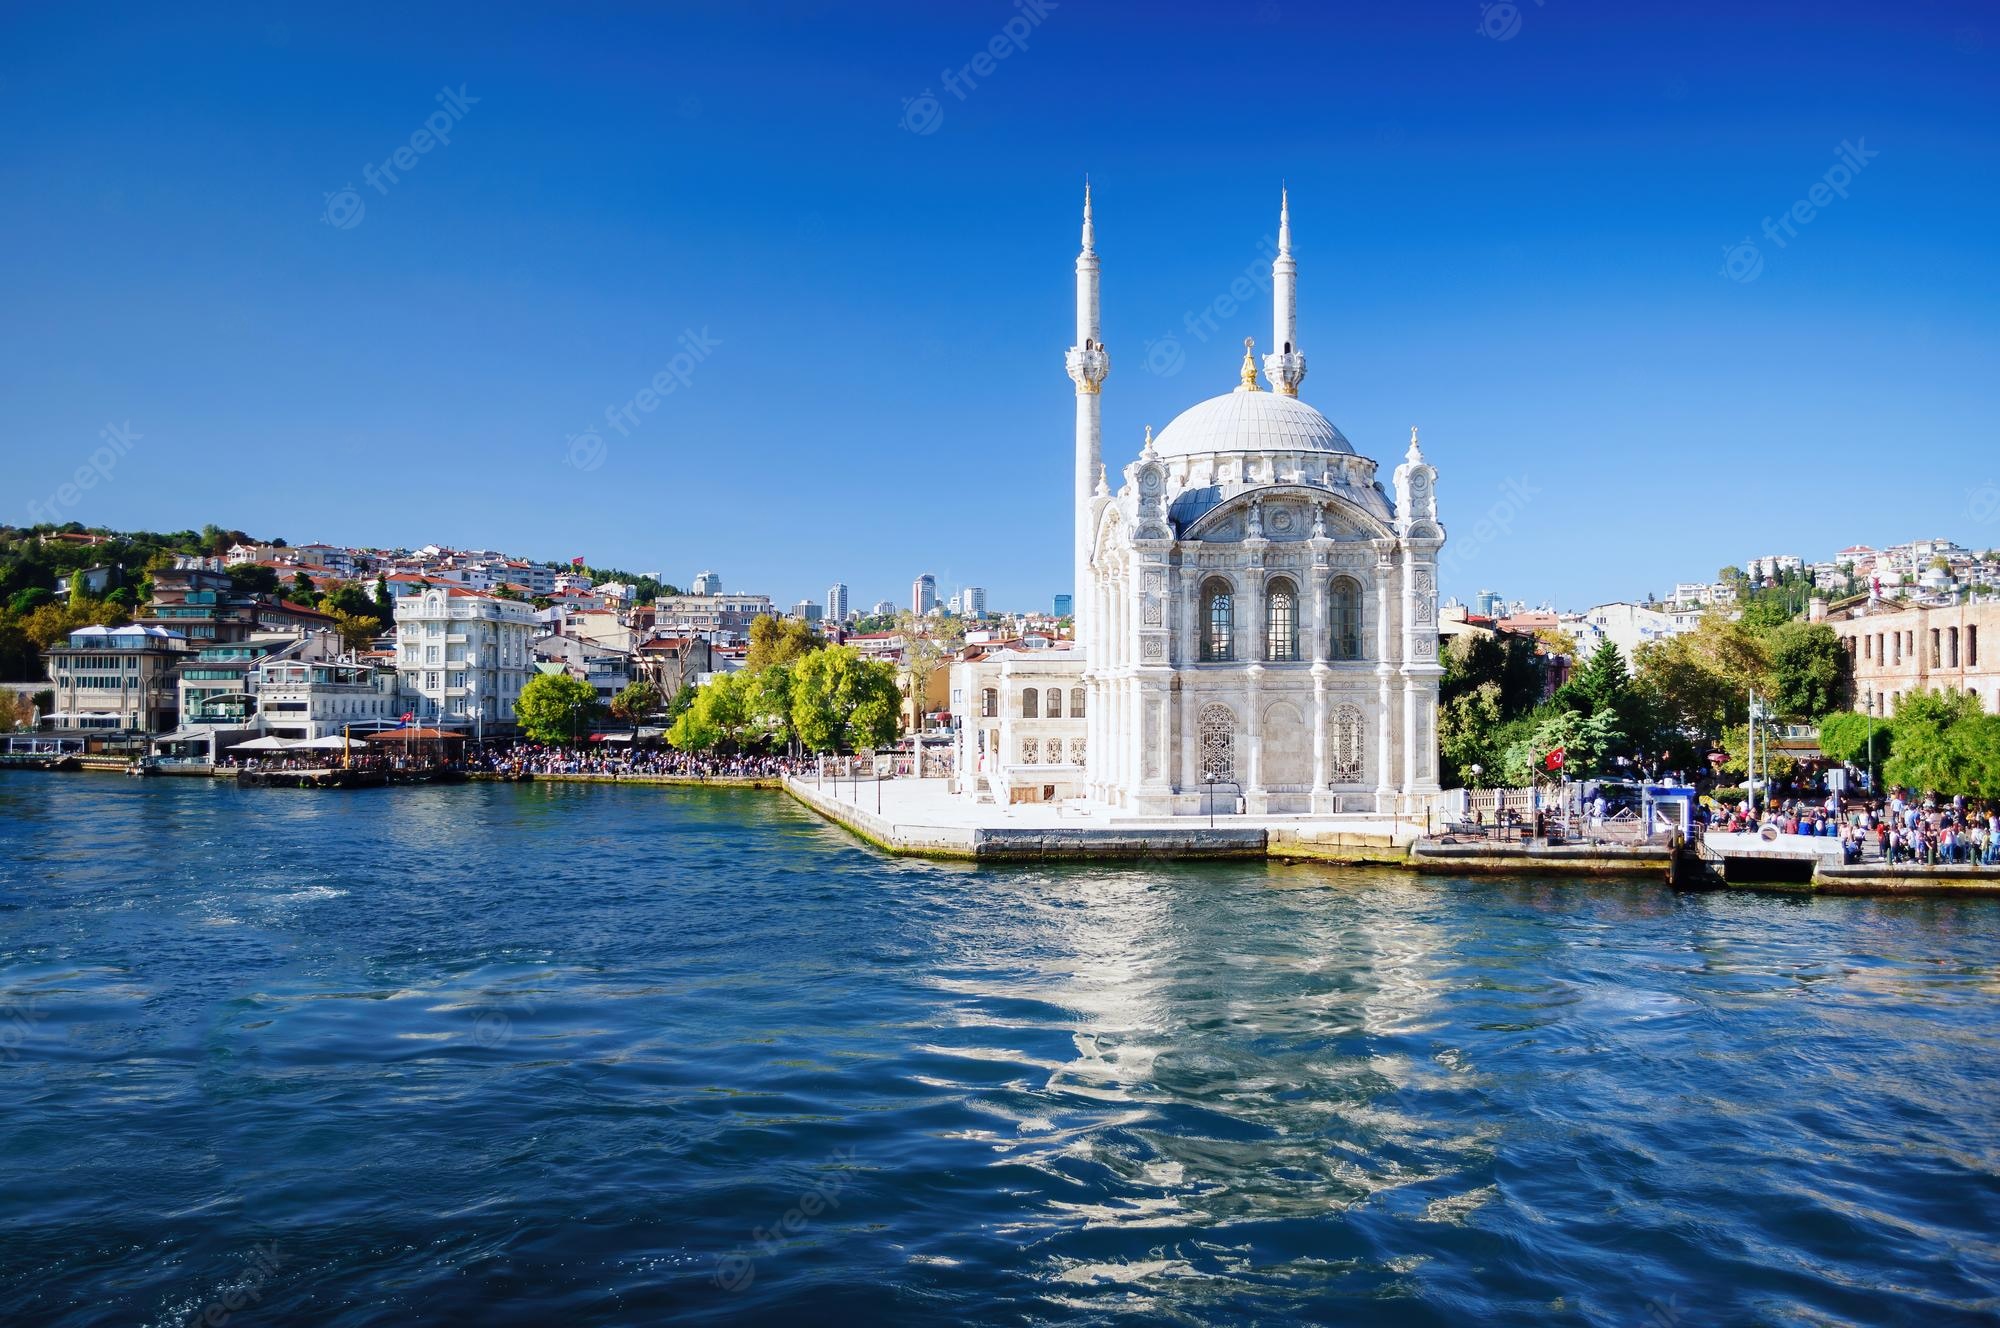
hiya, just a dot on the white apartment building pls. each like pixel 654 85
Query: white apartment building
pixel 463 657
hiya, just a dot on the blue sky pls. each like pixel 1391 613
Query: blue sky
pixel 1511 225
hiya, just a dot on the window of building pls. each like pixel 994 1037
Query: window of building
pixel 1344 611
pixel 1951 641
pixel 1076 707
pixel 1218 617
pixel 989 703
pixel 1054 707
pixel 1281 621
pixel 1030 704
pixel 1937 656
pixel 1972 647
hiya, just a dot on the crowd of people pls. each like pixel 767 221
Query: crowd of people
pixel 1900 830
pixel 536 759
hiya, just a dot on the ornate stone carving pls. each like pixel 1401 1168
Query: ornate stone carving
pixel 1151 612
pixel 1152 647
pixel 1030 753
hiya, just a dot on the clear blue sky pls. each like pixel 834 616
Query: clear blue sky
pixel 1511 226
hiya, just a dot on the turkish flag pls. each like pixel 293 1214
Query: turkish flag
pixel 576 562
pixel 1555 759
pixel 409 715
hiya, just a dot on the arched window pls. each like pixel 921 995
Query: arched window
pixel 1076 708
pixel 989 703
pixel 1030 700
pixel 1344 613
pixel 1951 637
pixel 1281 621
pixel 1218 620
pixel 1053 709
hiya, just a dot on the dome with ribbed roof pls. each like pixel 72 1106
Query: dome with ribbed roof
pixel 1250 422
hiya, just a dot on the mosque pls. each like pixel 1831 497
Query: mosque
pixel 1256 612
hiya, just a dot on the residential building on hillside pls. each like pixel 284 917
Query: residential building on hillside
pixel 710 615
pixel 836 602
pixel 706 584
pixel 923 594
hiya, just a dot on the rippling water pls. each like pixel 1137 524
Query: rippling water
pixel 540 1054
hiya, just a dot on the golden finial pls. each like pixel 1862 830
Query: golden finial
pixel 1249 366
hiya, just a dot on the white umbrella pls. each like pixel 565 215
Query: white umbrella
pixel 332 742
pixel 268 743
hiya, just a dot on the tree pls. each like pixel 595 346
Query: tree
pixel 302 588
pixel 385 607
pixel 1845 737
pixel 771 701
pixel 1932 750
pixel 555 708
pixel 1700 681
pixel 1584 740
pixel 841 701
pixel 250 579
pixel 691 733
pixel 926 643
pixel 779 641
pixel 356 631
pixel 1811 673
pixel 636 700
pixel 27 601
pixel 683 701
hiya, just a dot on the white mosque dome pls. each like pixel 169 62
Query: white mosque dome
pixel 1244 421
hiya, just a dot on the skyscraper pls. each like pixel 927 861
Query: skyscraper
pixel 972 601
pixel 836 601
pixel 1063 605
pixel 706 583
pixel 923 594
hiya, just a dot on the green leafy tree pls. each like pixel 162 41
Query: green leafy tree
pixel 779 641
pixel 1585 741
pixel 385 605
pixel 1811 674
pixel 636 700
pixel 683 700
pixel 841 701
pixel 27 601
pixel 301 591
pixel 357 631
pixel 1929 753
pixel 1845 737
pixel 555 708
pixel 771 701
pixel 691 732
pixel 250 579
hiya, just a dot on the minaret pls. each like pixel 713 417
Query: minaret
pixel 1285 366
pixel 1087 364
